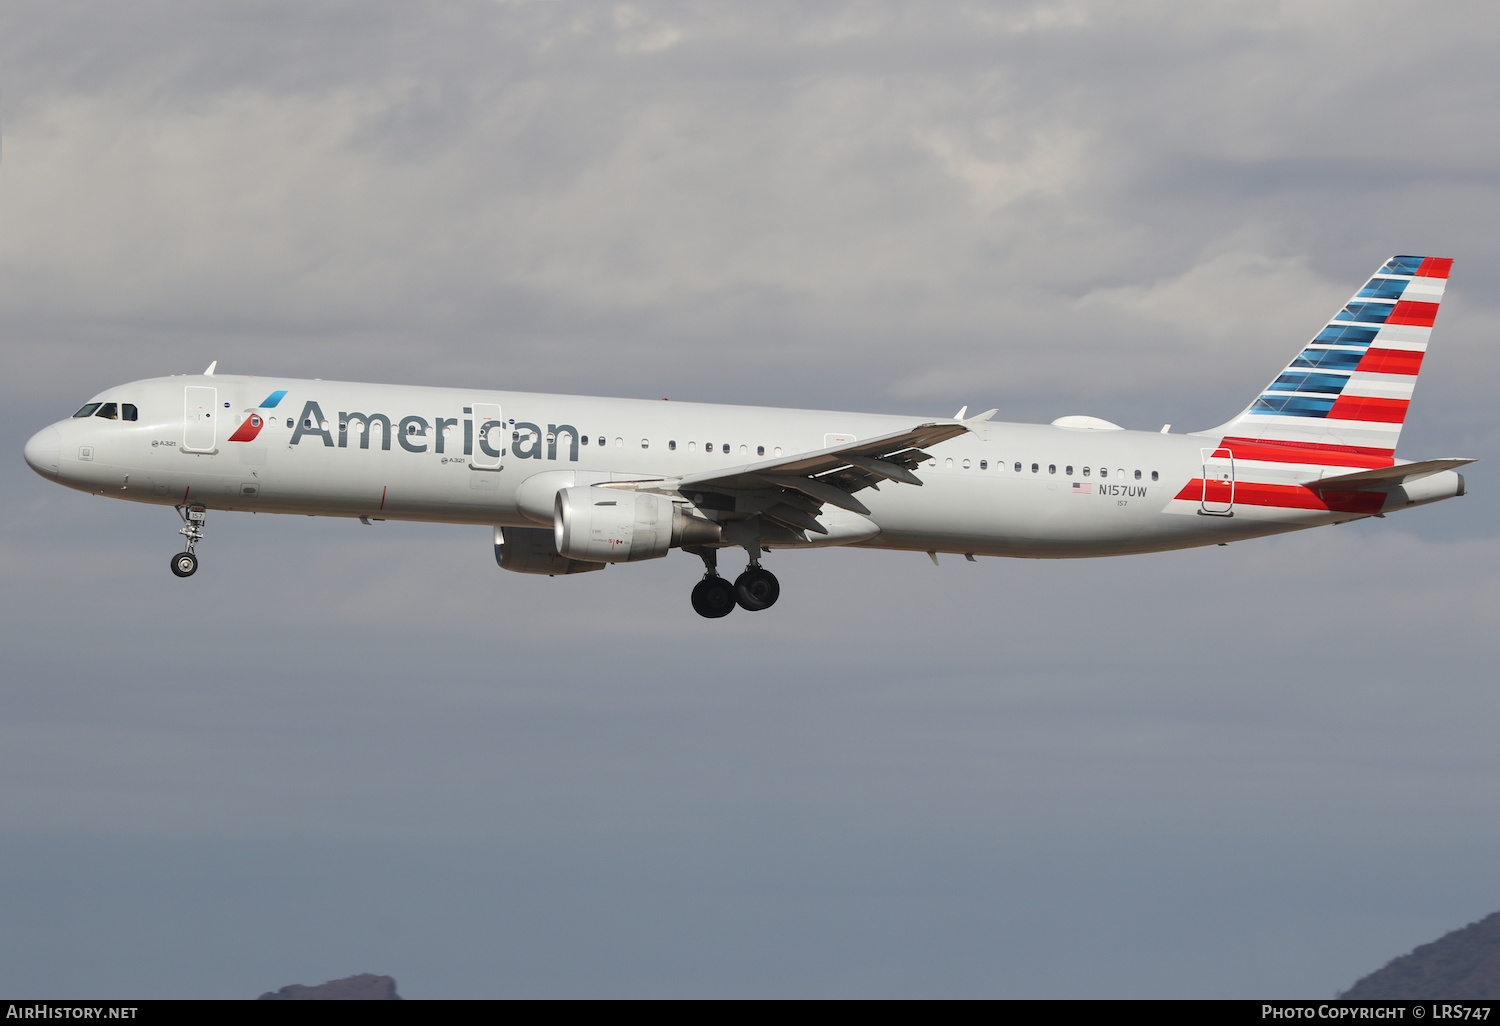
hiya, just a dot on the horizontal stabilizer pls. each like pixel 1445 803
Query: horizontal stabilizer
pixel 1390 475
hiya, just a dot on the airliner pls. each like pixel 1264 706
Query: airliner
pixel 571 484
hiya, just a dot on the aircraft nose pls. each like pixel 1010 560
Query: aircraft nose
pixel 42 451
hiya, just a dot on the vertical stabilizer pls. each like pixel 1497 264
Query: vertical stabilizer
pixel 1350 387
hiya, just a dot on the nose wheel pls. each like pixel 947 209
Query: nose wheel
pixel 185 563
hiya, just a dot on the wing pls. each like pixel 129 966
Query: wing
pixel 791 490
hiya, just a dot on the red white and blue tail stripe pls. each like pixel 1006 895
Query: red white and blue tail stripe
pixel 1349 389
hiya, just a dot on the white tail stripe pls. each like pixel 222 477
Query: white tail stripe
pixel 1401 333
pixel 1425 290
pixel 1381 342
pixel 1382 386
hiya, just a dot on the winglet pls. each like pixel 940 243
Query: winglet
pixel 210 372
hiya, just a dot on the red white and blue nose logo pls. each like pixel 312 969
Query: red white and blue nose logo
pixel 252 424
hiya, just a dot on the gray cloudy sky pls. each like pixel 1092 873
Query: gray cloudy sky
pixel 1250 771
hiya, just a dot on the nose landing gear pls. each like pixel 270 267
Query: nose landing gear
pixel 185 563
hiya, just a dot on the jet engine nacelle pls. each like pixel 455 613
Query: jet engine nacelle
pixel 530 550
pixel 611 525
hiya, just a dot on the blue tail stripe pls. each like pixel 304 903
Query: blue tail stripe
pixel 1294 405
pixel 1328 359
pixel 1370 313
pixel 1383 288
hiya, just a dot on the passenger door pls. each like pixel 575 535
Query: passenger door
pixel 490 437
pixel 200 418
pixel 1218 483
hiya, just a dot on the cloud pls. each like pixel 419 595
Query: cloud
pixel 1136 212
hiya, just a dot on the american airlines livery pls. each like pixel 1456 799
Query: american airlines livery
pixel 572 484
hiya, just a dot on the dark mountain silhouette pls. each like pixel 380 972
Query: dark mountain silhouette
pixel 364 987
pixel 1462 965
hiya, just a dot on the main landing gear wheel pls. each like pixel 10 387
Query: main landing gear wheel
pixel 184 564
pixel 713 597
pixel 757 589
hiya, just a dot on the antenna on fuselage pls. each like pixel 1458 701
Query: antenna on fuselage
pixel 210 372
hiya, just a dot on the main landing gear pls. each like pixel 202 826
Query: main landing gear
pixel 185 563
pixel 713 597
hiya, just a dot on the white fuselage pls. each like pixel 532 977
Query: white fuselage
pixel 323 448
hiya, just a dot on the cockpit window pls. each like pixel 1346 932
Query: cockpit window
pixel 127 411
pixel 109 411
pixel 88 410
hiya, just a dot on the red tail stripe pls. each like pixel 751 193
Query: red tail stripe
pixel 1252 493
pixel 1409 311
pixel 1363 407
pixel 1391 361
pixel 1273 450
pixel 1435 267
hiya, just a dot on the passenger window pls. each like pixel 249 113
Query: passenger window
pixel 1085 471
pixel 584 439
pixel 1153 475
pixel 760 450
pixel 744 450
pixel 692 447
pixel 1035 468
pixel 109 411
pixel 1052 468
pixel 645 443
pixel 1137 475
pixel 1103 471
pixel 776 451
pixel 949 464
pixel 87 411
pixel 984 464
pixel 966 464
pixel 726 448
pixel 619 442
pixel 127 411
pixel 601 441
pixel 1068 470
pixel 708 447
pixel 1018 468
pixel 672 446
